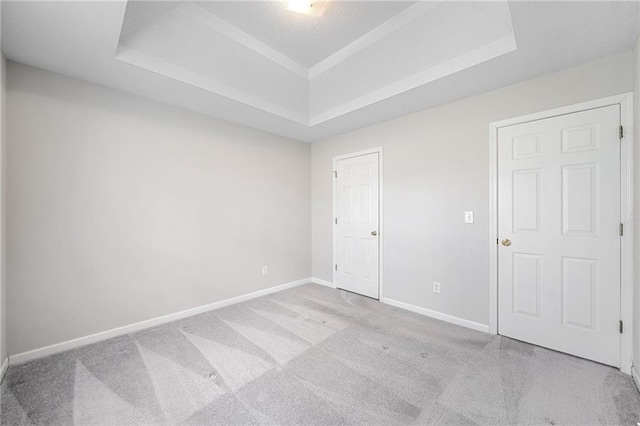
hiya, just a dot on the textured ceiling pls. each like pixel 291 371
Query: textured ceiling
pixel 306 39
pixel 423 54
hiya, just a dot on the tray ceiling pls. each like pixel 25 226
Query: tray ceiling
pixel 307 40
pixel 311 69
pixel 307 77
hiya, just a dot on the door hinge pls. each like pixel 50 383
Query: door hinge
pixel 621 327
pixel 336 220
pixel 621 132
pixel 336 266
pixel 335 173
pixel 621 229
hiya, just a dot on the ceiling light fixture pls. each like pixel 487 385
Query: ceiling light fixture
pixel 300 6
pixel 308 7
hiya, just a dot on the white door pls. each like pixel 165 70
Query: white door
pixel 357 217
pixel 559 232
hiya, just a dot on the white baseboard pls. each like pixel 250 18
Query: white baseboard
pixel 636 376
pixel 104 335
pixel 3 368
pixel 323 282
pixel 437 315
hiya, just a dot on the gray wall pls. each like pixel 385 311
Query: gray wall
pixel 121 209
pixel 436 166
pixel 3 186
pixel 636 161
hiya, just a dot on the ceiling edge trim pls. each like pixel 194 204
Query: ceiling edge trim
pixel 376 34
pixel 490 51
pixel 200 14
pixel 147 62
pixel 115 41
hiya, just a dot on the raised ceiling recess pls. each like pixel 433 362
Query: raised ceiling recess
pixel 311 69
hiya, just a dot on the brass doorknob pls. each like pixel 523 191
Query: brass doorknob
pixel 374 233
pixel 506 242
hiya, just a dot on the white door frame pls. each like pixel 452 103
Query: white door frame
pixel 377 150
pixel 625 101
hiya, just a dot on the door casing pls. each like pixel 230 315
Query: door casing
pixel 377 150
pixel 625 101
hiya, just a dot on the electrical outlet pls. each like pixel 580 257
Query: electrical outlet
pixel 265 271
pixel 436 287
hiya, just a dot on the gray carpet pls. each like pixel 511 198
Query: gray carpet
pixel 313 355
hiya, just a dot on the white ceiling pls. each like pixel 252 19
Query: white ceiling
pixel 306 39
pixel 310 77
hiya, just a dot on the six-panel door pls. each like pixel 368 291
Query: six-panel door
pixel 559 207
pixel 357 249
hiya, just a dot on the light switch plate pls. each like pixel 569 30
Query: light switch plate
pixel 468 217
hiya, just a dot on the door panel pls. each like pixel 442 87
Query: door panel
pixel 357 208
pixel 526 200
pixel 526 284
pixel 559 206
